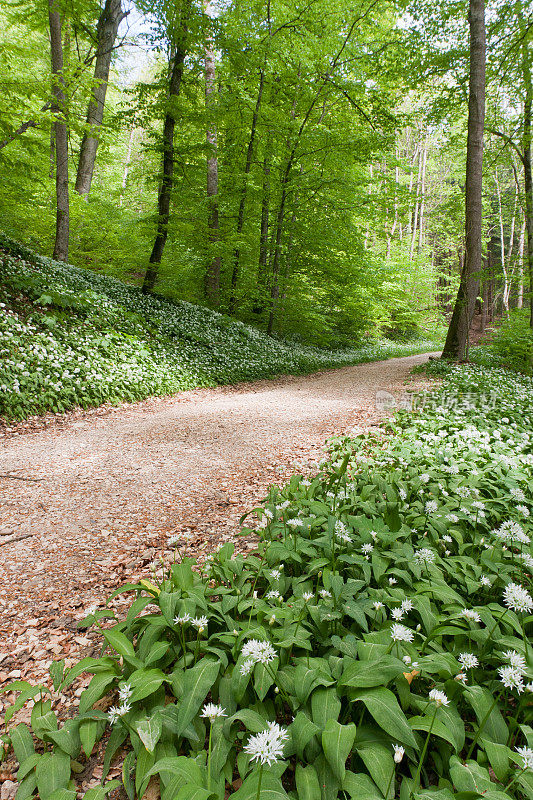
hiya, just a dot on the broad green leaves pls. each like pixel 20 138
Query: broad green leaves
pixel 337 742
pixel 384 708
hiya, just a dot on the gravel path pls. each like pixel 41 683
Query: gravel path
pixel 110 488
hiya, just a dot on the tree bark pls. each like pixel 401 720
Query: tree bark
pixel 106 33
pixel 212 276
pixel 165 189
pixel 262 272
pixel 456 346
pixel 528 180
pixel 506 283
pixel 127 163
pixel 244 192
pixel 59 109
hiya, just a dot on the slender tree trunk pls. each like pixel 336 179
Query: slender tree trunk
pixel 422 194
pixel 262 273
pixel 370 186
pixel 528 179
pixel 415 212
pixel 456 345
pixel 520 298
pixel 165 189
pixel 59 108
pixel 127 165
pixel 106 33
pixel 244 191
pixel 212 275
pixel 503 259
pixel 274 287
pixel 396 185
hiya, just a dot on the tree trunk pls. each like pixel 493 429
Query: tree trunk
pixel 422 194
pixel 528 180
pixel 212 276
pixel 520 298
pixel 127 163
pixel 242 203
pixel 165 189
pixel 415 212
pixel 274 287
pixel 59 108
pixel 262 272
pixel 106 33
pixel 503 259
pixel 456 345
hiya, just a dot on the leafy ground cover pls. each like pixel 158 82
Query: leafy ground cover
pixel 69 337
pixel 375 646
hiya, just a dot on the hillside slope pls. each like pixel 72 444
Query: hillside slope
pixel 69 337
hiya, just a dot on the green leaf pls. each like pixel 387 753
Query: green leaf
pixel 119 642
pixel 57 669
pixel 193 792
pixel 43 718
pixel 325 705
pixel 96 690
pixel 302 731
pixel 379 761
pixel 175 772
pixel 366 674
pixel 62 794
pixel 469 777
pixel 52 772
pixel 439 728
pixel 481 700
pixel 383 706
pixel 271 787
pixel 94 665
pixel 337 742
pixel 263 679
pixel 182 575
pixel 307 783
pixel 27 787
pixel 197 681
pixel 360 787
pixel 498 755
pixel 149 730
pixel 67 738
pixel 22 742
pixel 145 682
pixel 252 720
pixel 100 792
pixel 27 765
pixel 116 737
pixel 90 731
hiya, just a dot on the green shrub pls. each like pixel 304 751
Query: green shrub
pixel 512 344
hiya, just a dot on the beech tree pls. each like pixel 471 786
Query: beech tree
pixel 59 110
pixel 106 33
pixel 178 50
pixel 456 345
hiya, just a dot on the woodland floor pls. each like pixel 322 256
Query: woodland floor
pixel 96 493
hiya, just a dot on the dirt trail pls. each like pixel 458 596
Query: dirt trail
pixel 112 487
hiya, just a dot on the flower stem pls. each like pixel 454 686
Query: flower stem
pixel 258 795
pixel 209 759
pixel 514 779
pixel 390 781
pixel 482 725
pixel 419 769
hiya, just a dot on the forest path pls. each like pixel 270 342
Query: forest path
pixel 110 488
